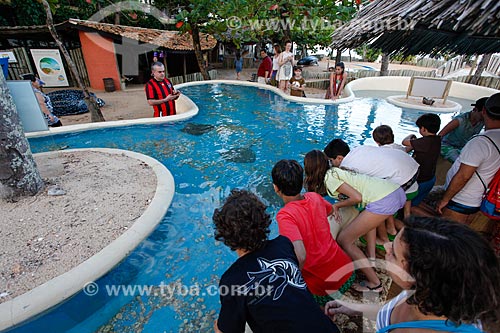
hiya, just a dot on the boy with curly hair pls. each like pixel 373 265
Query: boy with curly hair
pixel 264 287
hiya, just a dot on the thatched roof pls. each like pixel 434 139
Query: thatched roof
pixel 171 40
pixel 425 26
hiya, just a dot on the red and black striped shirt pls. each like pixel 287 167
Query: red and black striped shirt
pixel 159 90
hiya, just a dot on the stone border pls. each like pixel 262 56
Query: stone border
pixel 62 287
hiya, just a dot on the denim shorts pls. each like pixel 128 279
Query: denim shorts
pixel 389 204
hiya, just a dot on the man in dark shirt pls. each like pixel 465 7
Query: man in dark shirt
pixel 265 68
pixel 264 287
pixel 160 92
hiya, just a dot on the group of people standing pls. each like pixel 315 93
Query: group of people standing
pixel 448 272
pixel 281 72
pixel 278 71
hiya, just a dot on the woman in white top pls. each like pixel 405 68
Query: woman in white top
pixel 285 71
pixel 276 65
pixel 449 275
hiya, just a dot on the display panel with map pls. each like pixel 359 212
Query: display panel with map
pixel 50 67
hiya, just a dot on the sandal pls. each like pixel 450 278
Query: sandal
pixel 377 246
pixel 391 236
pixel 362 287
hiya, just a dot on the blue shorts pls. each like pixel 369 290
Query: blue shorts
pixel 423 189
pixel 389 204
pixel 462 209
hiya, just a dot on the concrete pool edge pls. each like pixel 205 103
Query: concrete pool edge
pixel 188 109
pixel 185 106
pixel 396 100
pixel 62 287
pixel 303 100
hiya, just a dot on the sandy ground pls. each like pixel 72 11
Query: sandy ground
pixel 44 236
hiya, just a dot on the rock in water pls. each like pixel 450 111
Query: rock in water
pixel 239 155
pixel 197 129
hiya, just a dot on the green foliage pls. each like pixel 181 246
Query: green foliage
pixel 402 58
pixel 3 21
pixel 32 13
pixel 368 53
pixel 78 9
pixel 307 22
pixel 28 12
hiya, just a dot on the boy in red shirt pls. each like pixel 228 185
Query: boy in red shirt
pixel 326 268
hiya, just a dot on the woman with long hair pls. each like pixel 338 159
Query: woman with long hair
pixel 276 65
pixel 380 199
pixel 450 280
pixel 285 71
pixel 338 78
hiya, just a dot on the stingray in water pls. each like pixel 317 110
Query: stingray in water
pixel 197 129
pixel 238 155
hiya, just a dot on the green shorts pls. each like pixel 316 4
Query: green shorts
pixel 410 196
pixel 449 152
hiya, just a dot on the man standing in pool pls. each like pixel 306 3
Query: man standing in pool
pixel 160 92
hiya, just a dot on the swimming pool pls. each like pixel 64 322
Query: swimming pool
pixel 234 141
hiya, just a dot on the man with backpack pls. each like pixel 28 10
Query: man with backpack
pixel 475 171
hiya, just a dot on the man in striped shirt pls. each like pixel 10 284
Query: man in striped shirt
pixel 160 92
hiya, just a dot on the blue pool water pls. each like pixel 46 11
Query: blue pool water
pixel 254 123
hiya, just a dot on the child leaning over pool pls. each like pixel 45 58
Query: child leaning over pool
pixel 264 287
pixel 426 151
pixel 326 268
pixel 380 198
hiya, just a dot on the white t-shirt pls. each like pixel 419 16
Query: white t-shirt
pixel 479 152
pixel 391 164
pixel 276 64
pixel 394 146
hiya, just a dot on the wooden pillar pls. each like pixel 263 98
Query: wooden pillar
pixel 184 68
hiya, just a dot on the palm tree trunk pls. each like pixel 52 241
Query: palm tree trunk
pixel 197 51
pixel 19 175
pixel 480 68
pixel 384 66
pixel 95 112
pixel 338 57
